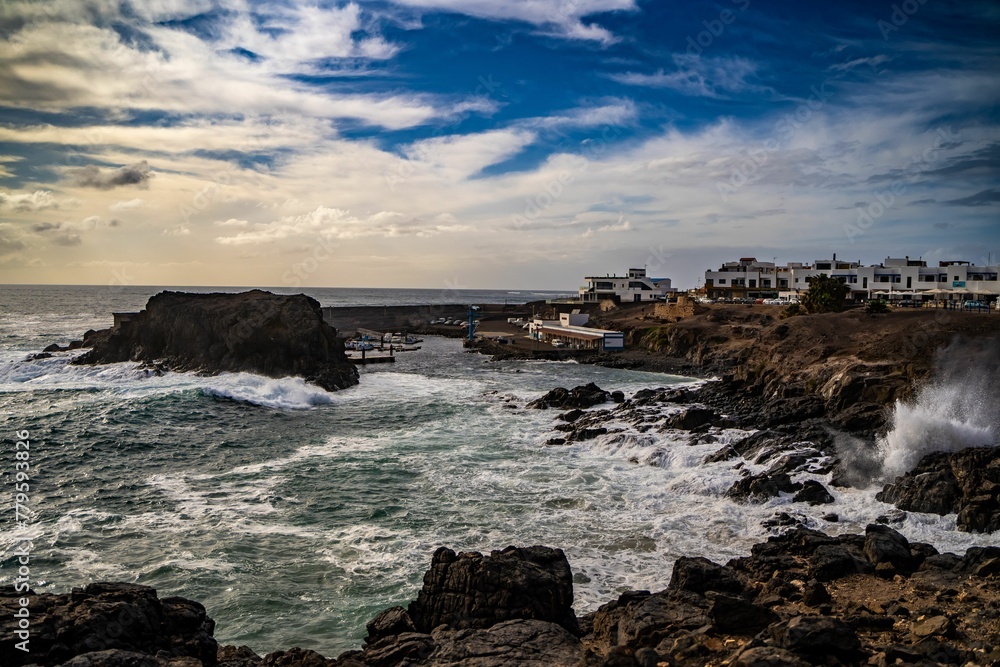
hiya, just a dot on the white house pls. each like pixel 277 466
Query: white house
pixel 632 288
pixel 895 277
pixel 570 331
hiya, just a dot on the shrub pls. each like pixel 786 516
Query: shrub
pixel 825 295
pixel 791 310
pixel 877 306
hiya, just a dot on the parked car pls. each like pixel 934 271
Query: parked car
pixel 973 304
pixel 558 343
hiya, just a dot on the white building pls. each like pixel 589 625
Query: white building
pixel 633 288
pixel 894 277
pixel 570 331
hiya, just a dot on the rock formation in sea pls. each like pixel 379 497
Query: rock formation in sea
pixel 254 332
pixel 802 598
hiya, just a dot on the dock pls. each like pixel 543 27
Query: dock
pixel 371 357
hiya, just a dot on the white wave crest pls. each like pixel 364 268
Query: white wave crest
pixel 283 393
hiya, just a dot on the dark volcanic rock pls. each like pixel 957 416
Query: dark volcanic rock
pixel 885 545
pixel 692 418
pixel 581 397
pixel 966 482
pixel 469 590
pixel 816 637
pixel 758 488
pixel 700 575
pixel 254 332
pixel 108 618
pixel 814 493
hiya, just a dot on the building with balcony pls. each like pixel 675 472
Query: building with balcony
pixel 893 277
pixel 636 287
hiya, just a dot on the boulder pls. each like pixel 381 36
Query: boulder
pixel 759 488
pixel 254 332
pixel 116 621
pixel 814 493
pixel 469 590
pixel 737 615
pixel 692 418
pixel 966 482
pixel 885 545
pixel 515 643
pixel 700 575
pixel 815 637
pixel 581 397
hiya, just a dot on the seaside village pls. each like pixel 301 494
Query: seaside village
pixel 570 324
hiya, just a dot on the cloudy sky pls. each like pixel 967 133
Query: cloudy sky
pixel 479 143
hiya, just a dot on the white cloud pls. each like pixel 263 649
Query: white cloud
pixel 698 76
pixel 333 223
pixel 232 222
pixel 180 230
pixel 127 205
pixel 560 18
pixel 39 200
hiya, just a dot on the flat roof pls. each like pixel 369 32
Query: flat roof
pixel 584 332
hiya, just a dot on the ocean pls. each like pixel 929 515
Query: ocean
pixel 295 515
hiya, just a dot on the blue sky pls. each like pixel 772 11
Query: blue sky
pixel 470 143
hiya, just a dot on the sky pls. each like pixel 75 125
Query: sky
pixel 516 144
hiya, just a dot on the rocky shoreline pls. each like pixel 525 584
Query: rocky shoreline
pixel 793 388
pixel 802 598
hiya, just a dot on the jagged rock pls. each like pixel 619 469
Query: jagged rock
pixel 618 396
pixel 816 637
pixel 118 658
pixel 814 593
pixel 570 416
pixel 814 493
pixel 54 347
pixel 237 656
pixel 406 648
pixel 469 590
pixel 639 618
pixel 102 617
pixel 583 434
pixel 517 643
pixel 833 561
pixel 296 657
pixel 768 656
pixel 254 332
pixel 692 418
pixel 966 482
pixel 734 614
pixel 758 488
pixel 581 397
pixel 700 575
pixel 885 545
pixel 726 453
pixel 393 621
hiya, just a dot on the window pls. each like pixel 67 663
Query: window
pixel 864 283
pixel 909 282
pixel 765 282
pixel 722 281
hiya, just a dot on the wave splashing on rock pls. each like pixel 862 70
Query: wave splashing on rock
pixel 955 411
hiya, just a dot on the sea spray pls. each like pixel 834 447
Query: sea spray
pixel 955 410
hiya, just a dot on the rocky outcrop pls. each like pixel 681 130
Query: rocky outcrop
pixel 582 397
pixel 254 332
pixel 469 590
pixel 106 624
pixel 801 598
pixel 966 482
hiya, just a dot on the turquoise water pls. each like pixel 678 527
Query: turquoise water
pixel 296 515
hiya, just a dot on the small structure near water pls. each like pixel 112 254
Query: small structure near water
pixel 570 331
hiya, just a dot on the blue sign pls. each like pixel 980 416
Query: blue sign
pixel 958 283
